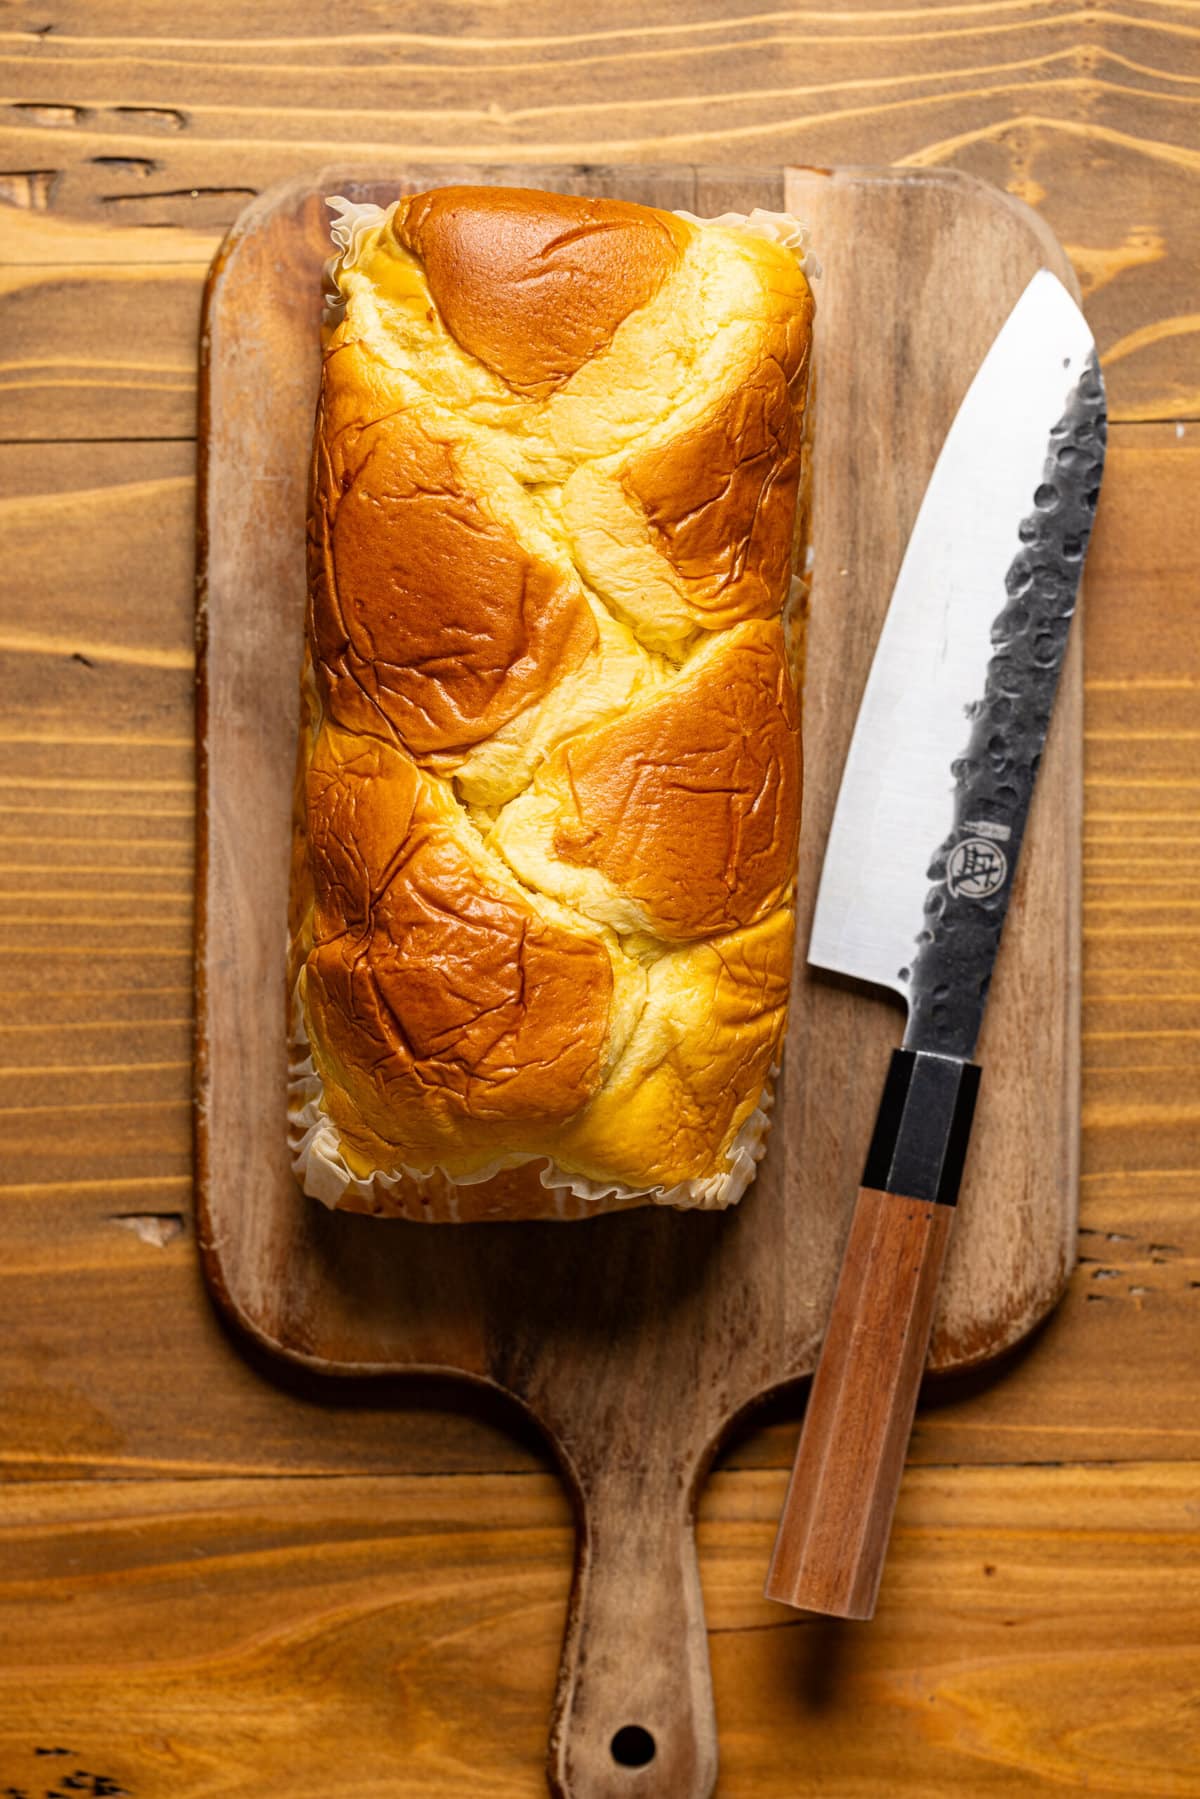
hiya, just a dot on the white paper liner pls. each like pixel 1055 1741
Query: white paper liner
pixel 779 227
pixel 317 1159
pixel 352 221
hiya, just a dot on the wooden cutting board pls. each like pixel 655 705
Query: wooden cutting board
pixel 635 1341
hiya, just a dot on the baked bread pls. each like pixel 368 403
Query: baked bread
pixel 549 778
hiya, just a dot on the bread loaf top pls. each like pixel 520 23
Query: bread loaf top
pixel 550 776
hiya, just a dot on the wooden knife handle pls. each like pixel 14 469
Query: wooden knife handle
pixel 837 1516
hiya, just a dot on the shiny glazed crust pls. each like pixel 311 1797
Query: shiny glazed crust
pixel 549 778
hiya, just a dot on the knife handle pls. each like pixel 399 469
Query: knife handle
pixel 837 1517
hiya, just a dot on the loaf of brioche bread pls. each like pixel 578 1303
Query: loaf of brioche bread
pixel 549 778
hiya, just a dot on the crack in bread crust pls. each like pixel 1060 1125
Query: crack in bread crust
pixel 549 782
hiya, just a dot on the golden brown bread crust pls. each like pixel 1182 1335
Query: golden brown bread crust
pixel 429 617
pixel 720 498
pixel 691 804
pixel 533 284
pixel 436 996
pixel 550 780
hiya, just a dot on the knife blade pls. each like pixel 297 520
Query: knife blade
pixel 916 882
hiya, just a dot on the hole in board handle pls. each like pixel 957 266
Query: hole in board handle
pixel 633 1747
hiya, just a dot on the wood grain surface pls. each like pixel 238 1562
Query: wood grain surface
pixel 1038 1620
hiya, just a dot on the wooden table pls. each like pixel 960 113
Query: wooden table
pixel 218 1579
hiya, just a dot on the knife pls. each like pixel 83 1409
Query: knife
pixel 916 883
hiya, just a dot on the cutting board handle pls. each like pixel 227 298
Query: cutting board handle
pixel 634 1708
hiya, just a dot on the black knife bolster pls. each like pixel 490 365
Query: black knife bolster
pixel 923 1127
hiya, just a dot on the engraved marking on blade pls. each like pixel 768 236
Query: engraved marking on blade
pixel 983 827
pixel 976 868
